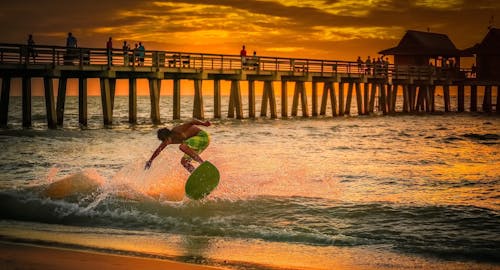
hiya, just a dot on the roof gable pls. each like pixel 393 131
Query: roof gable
pixel 423 43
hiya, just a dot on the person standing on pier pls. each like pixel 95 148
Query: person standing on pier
pixel 243 55
pixel 142 52
pixel 126 49
pixel 192 140
pixel 71 41
pixel 109 51
pixel 31 48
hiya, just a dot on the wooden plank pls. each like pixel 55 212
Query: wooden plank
pixel 235 104
pixel 406 98
pixel 372 97
pixel 314 98
pixel 299 94
pixel 461 98
pixel 446 96
pixel 487 99
pixel 268 96
pixel 473 98
pixel 154 94
pixel 341 99
pixel 348 99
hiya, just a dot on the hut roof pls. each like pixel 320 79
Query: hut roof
pixel 423 43
pixel 489 45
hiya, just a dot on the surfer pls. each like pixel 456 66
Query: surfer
pixel 191 138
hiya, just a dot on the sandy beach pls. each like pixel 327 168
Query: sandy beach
pixel 21 256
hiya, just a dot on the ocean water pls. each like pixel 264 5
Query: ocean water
pixel 363 192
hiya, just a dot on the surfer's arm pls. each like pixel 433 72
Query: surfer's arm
pixel 156 153
pixel 200 123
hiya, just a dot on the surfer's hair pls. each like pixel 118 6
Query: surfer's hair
pixel 163 134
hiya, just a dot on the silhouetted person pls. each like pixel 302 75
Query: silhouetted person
pixel 360 64
pixel 109 50
pixel 71 41
pixel 31 48
pixel 368 64
pixel 126 50
pixel 243 55
pixel 142 52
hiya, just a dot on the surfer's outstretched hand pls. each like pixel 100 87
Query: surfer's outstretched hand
pixel 148 165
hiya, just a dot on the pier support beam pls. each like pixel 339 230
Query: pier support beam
pixel 498 99
pixel 217 99
pixel 487 99
pixel 251 99
pixel 473 98
pixel 406 98
pixel 382 99
pixel 82 101
pixel 461 98
pixel 177 99
pixel 61 100
pixel 372 97
pixel 314 97
pixel 26 101
pixel 106 101
pixel 341 98
pixel 328 87
pixel 4 101
pixel 198 110
pixel 366 98
pixel 284 99
pixel 268 95
pixel 446 96
pixel 359 99
pixel 300 93
pixel 132 100
pixel 50 107
pixel 154 94
pixel 348 99
pixel 235 103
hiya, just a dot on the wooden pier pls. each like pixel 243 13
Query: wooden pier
pixel 376 89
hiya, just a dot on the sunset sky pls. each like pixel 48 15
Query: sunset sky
pixel 329 29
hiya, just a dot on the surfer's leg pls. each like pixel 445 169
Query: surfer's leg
pixel 186 162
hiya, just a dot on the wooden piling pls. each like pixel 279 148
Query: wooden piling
pixel 217 99
pixel 406 98
pixel 461 98
pixel 348 99
pixel 487 99
pixel 198 110
pixel 341 98
pixel 235 103
pixel 251 99
pixel 112 91
pixel 154 94
pixel 382 99
pixel 372 97
pixel 106 101
pixel 359 98
pixel 300 92
pixel 268 97
pixel 61 100
pixel 314 97
pixel 446 96
pixel 420 96
pixel 388 97
pixel 328 88
pixel 4 101
pixel 473 98
pixel 498 99
pixel 82 101
pixel 284 99
pixel 176 99
pixel 132 100
pixel 366 98
pixel 26 101
pixel 394 97
pixel 50 107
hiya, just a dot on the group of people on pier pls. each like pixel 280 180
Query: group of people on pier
pixel 379 66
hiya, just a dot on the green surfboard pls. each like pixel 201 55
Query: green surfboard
pixel 202 181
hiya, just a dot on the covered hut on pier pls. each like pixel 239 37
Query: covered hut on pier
pixel 418 48
pixel 487 56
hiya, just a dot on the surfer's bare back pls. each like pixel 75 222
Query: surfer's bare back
pixel 191 138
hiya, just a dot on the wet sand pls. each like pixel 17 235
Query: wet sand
pixel 21 256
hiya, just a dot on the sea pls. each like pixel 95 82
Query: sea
pixel 403 191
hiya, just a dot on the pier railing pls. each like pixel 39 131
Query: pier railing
pixel 60 56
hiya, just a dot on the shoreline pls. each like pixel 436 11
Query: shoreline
pixel 29 256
